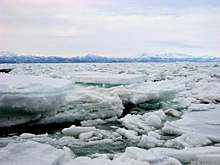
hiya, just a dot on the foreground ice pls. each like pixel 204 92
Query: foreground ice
pixel 30 97
pixel 171 156
pixel 55 100
pixel 204 122
pixel 172 117
pixel 29 153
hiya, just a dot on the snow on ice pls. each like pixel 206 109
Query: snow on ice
pixel 108 79
pixel 76 131
pixel 30 153
pixel 128 113
pixel 30 97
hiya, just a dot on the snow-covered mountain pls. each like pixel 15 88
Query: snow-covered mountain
pixel 164 55
pixel 9 57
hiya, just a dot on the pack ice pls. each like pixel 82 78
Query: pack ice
pixel 28 98
pixel 136 113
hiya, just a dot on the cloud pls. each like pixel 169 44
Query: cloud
pixel 178 44
pixel 109 27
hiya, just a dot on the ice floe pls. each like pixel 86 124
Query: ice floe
pixel 76 131
pixel 202 122
pixel 30 97
pixel 30 152
pixel 170 156
pixel 137 113
pixel 105 79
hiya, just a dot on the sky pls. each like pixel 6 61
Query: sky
pixel 112 28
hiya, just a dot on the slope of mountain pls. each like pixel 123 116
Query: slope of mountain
pixel 9 57
pixel 165 55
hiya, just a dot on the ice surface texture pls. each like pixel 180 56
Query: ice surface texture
pixel 30 97
pixel 108 79
pixel 172 117
pixel 30 153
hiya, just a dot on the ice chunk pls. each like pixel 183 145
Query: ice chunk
pixel 136 123
pixel 67 140
pixel 98 78
pixel 29 96
pixel 86 104
pixel 30 153
pixel 154 121
pixel 30 135
pixel 93 122
pixel 27 135
pixel 149 142
pixel 101 161
pixel 170 156
pixel 188 140
pixel 76 131
pixel 154 134
pixel 173 112
pixel 188 154
pixel 124 94
pixel 206 91
pixel 98 121
pixel 130 134
pixel 69 155
pixel 155 92
pixel 205 123
pixel 143 123
pixel 137 156
pixel 87 135
pixel 177 103
pixel 211 159
pixel 99 142
pixel 201 107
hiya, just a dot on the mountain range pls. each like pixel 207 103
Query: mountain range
pixel 9 57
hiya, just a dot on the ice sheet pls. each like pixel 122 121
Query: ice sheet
pixel 76 131
pixel 162 155
pixel 206 123
pixel 29 97
pixel 30 153
pixel 174 112
pixel 107 79
pixel 85 160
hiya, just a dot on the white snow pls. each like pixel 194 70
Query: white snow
pixel 30 153
pixel 76 131
pixel 211 159
pixel 130 134
pixel 97 121
pixel 205 123
pixel 144 123
pixel 154 121
pixel 188 140
pixel 87 103
pixel 29 97
pixel 189 154
pixel 175 113
pixel 149 142
pixel 161 155
pixel 98 78
pixel 136 155
pixel 30 135
pixel 101 161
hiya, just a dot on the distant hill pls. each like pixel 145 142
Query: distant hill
pixel 9 57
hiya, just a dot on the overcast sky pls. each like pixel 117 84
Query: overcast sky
pixel 113 28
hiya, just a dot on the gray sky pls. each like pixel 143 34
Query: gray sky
pixel 113 28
